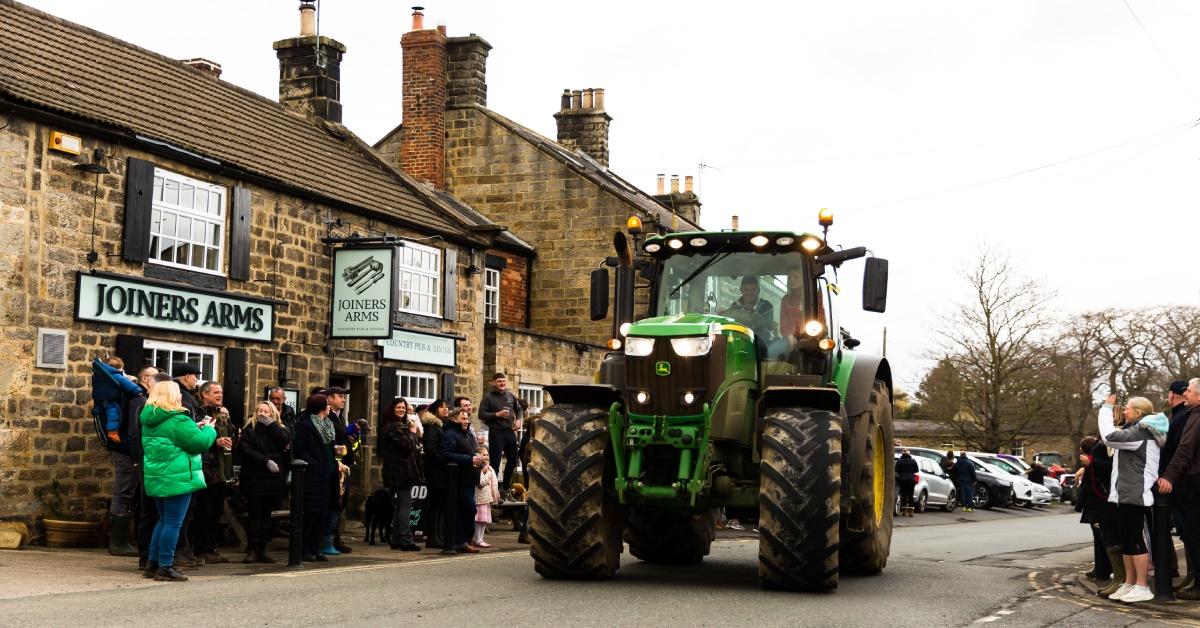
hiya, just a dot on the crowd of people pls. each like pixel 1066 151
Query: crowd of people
pixel 1136 452
pixel 181 465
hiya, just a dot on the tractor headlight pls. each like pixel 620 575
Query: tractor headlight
pixel 637 346
pixel 813 328
pixel 689 398
pixel 642 397
pixel 625 328
pixel 692 346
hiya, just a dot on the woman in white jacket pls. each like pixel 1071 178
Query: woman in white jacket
pixel 1135 468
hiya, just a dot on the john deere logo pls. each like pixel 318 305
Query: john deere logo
pixel 662 369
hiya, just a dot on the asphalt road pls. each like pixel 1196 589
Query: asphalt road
pixel 945 573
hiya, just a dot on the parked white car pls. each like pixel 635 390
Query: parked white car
pixel 1026 493
pixel 1022 467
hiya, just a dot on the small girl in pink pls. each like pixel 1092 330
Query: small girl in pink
pixel 486 494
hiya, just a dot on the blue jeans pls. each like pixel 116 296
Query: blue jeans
pixel 966 494
pixel 171 511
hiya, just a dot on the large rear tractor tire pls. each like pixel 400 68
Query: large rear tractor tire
pixel 799 499
pixel 670 538
pixel 575 529
pixel 870 476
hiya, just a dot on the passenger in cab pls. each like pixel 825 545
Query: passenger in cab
pixel 750 310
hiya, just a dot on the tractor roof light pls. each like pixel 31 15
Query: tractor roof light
pixel 825 217
pixel 785 241
pixel 675 243
pixel 759 240
pixel 810 244
pixel 634 224
pixel 625 329
pixel 697 242
pixel 653 247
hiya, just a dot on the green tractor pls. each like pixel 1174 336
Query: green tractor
pixel 739 391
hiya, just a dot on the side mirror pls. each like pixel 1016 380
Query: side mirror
pixel 875 280
pixel 599 295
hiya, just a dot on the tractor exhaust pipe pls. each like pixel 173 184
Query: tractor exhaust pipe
pixel 623 295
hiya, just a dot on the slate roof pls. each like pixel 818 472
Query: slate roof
pixel 49 63
pixel 472 217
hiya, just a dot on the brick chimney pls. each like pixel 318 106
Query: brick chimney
pixel 423 147
pixel 466 72
pixel 685 204
pixel 310 69
pixel 582 123
pixel 211 68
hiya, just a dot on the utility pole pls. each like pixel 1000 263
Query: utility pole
pixel 885 342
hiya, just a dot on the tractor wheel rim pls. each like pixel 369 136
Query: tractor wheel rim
pixel 879 482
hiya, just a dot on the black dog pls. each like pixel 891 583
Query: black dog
pixel 377 516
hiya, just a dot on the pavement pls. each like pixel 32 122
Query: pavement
pixel 1017 569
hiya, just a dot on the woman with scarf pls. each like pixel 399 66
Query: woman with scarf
pixel 400 448
pixel 1135 468
pixel 314 445
pixel 262 451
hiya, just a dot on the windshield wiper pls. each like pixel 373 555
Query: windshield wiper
pixel 702 267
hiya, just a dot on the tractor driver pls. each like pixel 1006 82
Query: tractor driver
pixel 757 314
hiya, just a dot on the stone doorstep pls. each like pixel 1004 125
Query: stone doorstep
pixel 1081 586
pixel 41 571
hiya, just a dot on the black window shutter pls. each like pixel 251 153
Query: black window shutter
pixel 450 289
pixel 139 198
pixel 239 240
pixel 234 385
pixel 129 349
pixel 447 391
pixel 389 389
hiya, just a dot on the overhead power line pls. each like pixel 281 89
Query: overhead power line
pixel 1161 55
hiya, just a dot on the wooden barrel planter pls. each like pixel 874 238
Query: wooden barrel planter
pixel 71 533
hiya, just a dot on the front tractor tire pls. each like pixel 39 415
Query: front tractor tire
pixel 799 499
pixel 575 528
pixel 870 477
pixel 670 538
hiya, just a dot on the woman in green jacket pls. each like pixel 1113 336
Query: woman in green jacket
pixel 172 443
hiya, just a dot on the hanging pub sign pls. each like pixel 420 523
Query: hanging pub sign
pixel 364 284
pixel 120 300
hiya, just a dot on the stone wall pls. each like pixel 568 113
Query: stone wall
pixel 46 429
pixel 530 357
pixel 566 217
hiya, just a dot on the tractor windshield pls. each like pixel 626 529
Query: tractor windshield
pixel 765 292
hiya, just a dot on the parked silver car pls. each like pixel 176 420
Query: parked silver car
pixel 933 488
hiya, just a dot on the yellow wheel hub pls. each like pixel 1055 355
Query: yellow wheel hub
pixel 878 468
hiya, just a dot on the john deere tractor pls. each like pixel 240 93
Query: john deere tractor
pixel 739 391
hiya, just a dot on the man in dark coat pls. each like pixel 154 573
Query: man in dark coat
pixel 1177 500
pixel 906 480
pixel 433 518
pixel 501 413
pixel 337 412
pixel 1037 474
pixel 964 477
pixel 1181 481
pixel 287 414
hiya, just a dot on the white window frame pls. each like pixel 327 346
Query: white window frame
pixel 212 219
pixel 948 447
pixel 1018 449
pixel 188 350
pixel 418 381
pixel 534 394
pixel 420 267
pixel 491 295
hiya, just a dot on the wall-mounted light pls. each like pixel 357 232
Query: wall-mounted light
pixel 282 366
pixel 472 267
pixel 98 168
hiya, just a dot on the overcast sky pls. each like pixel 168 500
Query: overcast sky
pixel 1058 131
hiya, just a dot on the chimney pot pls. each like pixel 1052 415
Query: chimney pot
pixel 674 184
pixel 598 99
pixel 735 222
pixel 418 19
pixel 566 100
pixel 576 98
pixel 662 184
pixel 308 19
pixel 587 98
pixel 687 184
pixel 441 26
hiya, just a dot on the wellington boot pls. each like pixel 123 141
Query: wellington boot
pixel 327 547
pixel 1118 565
pixel 118 537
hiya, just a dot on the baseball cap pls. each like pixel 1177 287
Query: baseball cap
pixel 1178 386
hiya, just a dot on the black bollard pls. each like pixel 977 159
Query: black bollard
pixel 1163 548
pixel 450 524
pixel 296 514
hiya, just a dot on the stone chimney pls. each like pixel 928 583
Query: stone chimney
pixel 582 123
pixel 310 69
pixel 466 71
pixel 211 68
pixel 685 204
pixel 423 143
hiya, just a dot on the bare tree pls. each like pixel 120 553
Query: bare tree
pixel 991 342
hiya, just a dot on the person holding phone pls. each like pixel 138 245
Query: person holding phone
pixel 501 413
pixel 171 443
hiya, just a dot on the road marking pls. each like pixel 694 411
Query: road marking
pixel 396 565
pixel 986 620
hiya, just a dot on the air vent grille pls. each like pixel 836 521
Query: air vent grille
pixel 52 348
